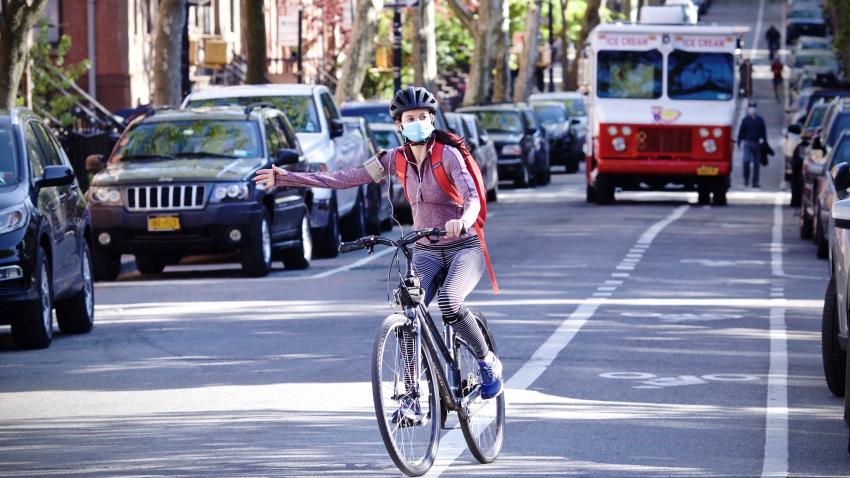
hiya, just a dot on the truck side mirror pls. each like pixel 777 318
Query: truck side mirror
pixel 337 128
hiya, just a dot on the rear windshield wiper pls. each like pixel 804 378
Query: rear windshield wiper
pixel 203 154
pixel 145 156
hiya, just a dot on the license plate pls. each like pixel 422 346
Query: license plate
pixel 163 223
pixel 708 171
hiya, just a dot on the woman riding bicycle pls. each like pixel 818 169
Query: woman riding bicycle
pixel 453 264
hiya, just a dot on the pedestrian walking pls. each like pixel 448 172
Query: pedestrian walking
pixel 772 36
pixel 776 68
pixel 751 136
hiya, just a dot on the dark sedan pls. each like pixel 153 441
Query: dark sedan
pixel 555 119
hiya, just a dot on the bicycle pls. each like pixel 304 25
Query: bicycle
pixel 413 397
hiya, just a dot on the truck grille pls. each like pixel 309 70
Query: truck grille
pixel 664 140
pixel 154 198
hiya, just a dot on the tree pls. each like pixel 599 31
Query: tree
pixel 17 17
pixel 361 49
pixel 481 24
pixel 529 52
pixel 501 52
pixel 591 19
pixel 168 47
pixel 253 24
pixel 565 46
pixel 52 78
pixel 425 45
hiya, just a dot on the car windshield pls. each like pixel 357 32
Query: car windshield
pixel 812 60
pixel 9 169
pixel 805 13
pixel 191 139
pixel 841 154
pixel 548 114
pixel 575 107
pixel 500 121
pixel 814 45
pixel 841 123
pixel 629 74
pixel 816 117
pixel 299 110
pixel 700 76
pixel 371 115
pixel 386 139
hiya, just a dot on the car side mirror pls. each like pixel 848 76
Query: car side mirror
pixel 531 130
pixel 95 163
pixel 841 178
pixel 575 121
pixel 483 139
pixel 57 175
pixel 817 144
pixel 795 129
pixel 285 156
pixel 337 128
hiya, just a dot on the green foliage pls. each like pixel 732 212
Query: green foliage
pixel 47 96
pixel 840 14
pixel 454 44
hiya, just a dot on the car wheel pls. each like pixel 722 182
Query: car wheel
pixel 257 253
pixel 149 264
pixel 75 315
pixel 327 238
pixel 299 257
pixel 796 192
pixel 354 226
pixel 493 195
pixel 373 222
pixel 806 226
pixel 34 327
pixel 107 265
pixel 544 175
pixel 821 242
pixel 604 190
pixel 573 165
pixel 834 359
pixel 521 177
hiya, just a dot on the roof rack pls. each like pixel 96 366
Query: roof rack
pixel 154 110
pixel 261 104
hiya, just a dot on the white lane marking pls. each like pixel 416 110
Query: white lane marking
pixel 776 414
pixel 614 282
pixel 452 444
pixel 757 31
pixel 353 265
pixel 620 274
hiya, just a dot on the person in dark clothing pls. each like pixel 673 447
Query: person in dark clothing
pixel 772 36
pixel 751 136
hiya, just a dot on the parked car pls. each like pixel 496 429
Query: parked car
pixel 559 133
pixel 379 112
pixel 805 19
pixel 379 211
pixel 806 43
pixel 482 149
pixel 518 141
pixel 798 141
pixel 334 214
pixel 45 235
pixel 180 183
pixel 815 168
pixel 813 62
pixel 575 104
pixel 386 136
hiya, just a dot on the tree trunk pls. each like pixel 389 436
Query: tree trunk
pixel 480 65
pixel 254 32
pixel 17 18
pixel 565 47
pixel 501 61
pixel 591 19
pixel 425 45
pixel 361 50
pixel 525 78
pixel 168 45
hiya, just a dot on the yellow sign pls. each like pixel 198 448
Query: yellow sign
pixel 163 223
pixel 707 171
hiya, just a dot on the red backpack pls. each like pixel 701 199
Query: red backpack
pixel 442 139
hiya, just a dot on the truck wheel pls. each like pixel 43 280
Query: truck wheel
pixel 33 329
pixel 257 253
pixel 834 359
pixel 703 194
pixel 589 194
pixel 327 238
pixel 354 226
pixel 604 190
pixel 821 241
pixel 299 257
pixel 107 265
pixel 75 314
pixel 149 264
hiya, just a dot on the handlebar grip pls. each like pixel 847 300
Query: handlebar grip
pixel 349 247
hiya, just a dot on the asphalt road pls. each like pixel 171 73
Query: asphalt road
pixel 652 338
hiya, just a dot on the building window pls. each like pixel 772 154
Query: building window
pixel 53 19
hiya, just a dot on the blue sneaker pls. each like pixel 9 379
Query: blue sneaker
pixel 491 376
pixel 409 414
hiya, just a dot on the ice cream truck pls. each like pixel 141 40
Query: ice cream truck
pixel 661 103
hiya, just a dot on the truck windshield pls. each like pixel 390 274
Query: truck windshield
pixel 629 74
pixel 500 121
pixel 700 76
pixel 190 139
pixel 8 156
pixel 299 110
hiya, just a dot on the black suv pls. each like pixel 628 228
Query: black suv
pixel 45 229
pixel 179 183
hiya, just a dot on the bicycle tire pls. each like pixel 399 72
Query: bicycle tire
pixel 412 454
pixel 484 429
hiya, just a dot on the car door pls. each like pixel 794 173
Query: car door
pixel 50 205
pixel 346 150
pixel 289 205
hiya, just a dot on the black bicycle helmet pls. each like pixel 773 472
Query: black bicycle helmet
pixel 412 98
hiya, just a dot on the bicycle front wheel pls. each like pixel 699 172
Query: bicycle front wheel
pixel 484 426
pixel 407 404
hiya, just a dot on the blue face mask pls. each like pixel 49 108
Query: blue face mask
pixel 417 131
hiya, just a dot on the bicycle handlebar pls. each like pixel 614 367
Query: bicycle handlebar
pixel 368 242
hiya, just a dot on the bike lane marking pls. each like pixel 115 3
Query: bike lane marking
pixel 452 445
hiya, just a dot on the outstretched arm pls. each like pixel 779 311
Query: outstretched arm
pixel 373 170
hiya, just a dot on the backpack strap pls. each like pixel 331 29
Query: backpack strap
pixel 401 171
pixel 449 188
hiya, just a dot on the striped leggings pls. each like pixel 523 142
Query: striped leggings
pixel 451 271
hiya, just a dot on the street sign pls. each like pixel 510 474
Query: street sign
pixel 287 30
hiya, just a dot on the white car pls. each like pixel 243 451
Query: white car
pixel 334 215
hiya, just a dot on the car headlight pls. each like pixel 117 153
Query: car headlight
pixel 709 146
pixel 619 144
pixel 512 150
pixel 13 218
pixel 107 196
pixel 229 191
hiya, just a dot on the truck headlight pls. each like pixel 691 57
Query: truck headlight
pixel 13 218
pixel 709 146
pixel 619 144
pixel 107 196
pixel 229 191
pixel 512 150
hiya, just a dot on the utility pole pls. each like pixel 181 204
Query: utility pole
pixel 397 39
pixel 551 51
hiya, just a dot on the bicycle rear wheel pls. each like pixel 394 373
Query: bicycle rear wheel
pixel 407 407
pixel 484 426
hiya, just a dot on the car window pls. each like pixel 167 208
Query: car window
pixel 530 119
pixel 195 138
pixel 8 155
pixel 274 138
pixel 329 108
pixel 501 121
pixel 841 154
pixel 51 155
pixel 34 153
pixel 299 109
pixel 839 124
